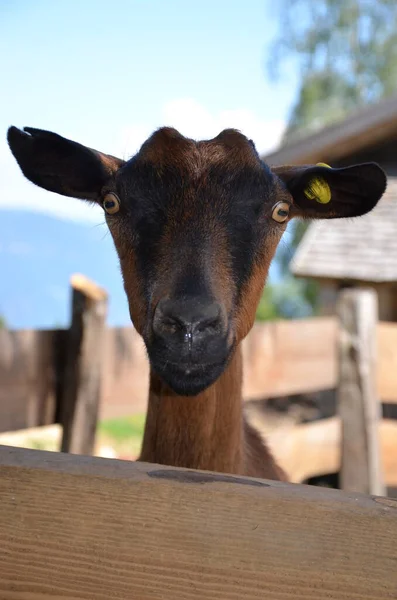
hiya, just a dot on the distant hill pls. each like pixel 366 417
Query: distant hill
pixel 38 254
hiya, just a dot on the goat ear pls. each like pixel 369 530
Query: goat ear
pixel 321 192
pixel 60 165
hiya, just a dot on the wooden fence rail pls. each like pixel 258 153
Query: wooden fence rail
pixel 279 358
pixel 80 528
pixel 67 377
pixel 314 449
pixel 304 451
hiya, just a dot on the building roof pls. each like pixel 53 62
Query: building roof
pixel 367 127
pixel 360 249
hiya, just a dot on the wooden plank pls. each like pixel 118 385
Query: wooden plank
pixel 280 358
pixel 27 378
pixel 83 528
pixel 83 370
pixel 368 127
pixel 357 399
pixel 304 451
pixel 387 364
pixel 314 449
pixel 288 357
pixel 125 373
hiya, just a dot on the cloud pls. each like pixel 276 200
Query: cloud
pixel 193 120
pixel 185 114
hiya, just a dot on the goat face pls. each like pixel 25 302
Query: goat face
pixel 195 225
pixel 195 238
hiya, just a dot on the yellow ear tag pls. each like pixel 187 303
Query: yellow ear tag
pixel 318 189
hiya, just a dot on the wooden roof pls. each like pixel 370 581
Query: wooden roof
pixel 362 249
pixel 367 127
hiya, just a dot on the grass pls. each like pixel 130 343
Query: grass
pixel 124 434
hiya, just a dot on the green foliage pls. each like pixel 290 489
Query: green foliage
pixel 3 324
pixel 346 51
pixel 123 429
pixel 286 250
pixel 291 298
pixel 123 435
pixel 306 288
pixel 323 99
pixel 285 300
pixel 267 309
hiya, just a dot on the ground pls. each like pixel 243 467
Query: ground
pixel 116 438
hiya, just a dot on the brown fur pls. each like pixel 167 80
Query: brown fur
pixel 208 431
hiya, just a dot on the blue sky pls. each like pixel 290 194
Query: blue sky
pixel 108 73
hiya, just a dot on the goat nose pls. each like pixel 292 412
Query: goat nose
pixel 192 317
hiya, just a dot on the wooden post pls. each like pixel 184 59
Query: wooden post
pixel 80 392
pixel 358 403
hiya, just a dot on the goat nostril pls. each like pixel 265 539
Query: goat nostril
pixel 187 319
pixel 167 324
pixel 209 325
pixel 170 325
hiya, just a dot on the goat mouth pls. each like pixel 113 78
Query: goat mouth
pixel 188 373
pixel 188 379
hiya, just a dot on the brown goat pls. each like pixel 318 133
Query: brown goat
pixel 195 225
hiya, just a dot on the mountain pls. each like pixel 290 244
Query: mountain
pixel 38 254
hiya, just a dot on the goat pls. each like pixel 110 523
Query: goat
pixel 195 226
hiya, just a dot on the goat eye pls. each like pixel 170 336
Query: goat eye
pixel 280 212
pixel 111 203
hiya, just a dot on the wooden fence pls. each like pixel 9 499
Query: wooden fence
pixel 280 358
pixel 76 527
pixel 71 376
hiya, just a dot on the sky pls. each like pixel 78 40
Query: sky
pixel 107 74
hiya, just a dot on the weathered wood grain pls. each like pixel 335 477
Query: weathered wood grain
pixel 289 357
pixel 387 364
pixel 79 528
pixel 280 358
pixel 27 378
pixel 125 373
pixel 314 449
pixel 80 395
pixel 357 398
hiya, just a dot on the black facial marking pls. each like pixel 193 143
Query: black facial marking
pixel 194 212
pixel 251 195
pixel 171 208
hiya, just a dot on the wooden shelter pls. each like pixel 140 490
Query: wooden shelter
pixel 363 251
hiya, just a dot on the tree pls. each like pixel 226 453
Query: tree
pixel 289 298
pixel 346 51
pixel 284 300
